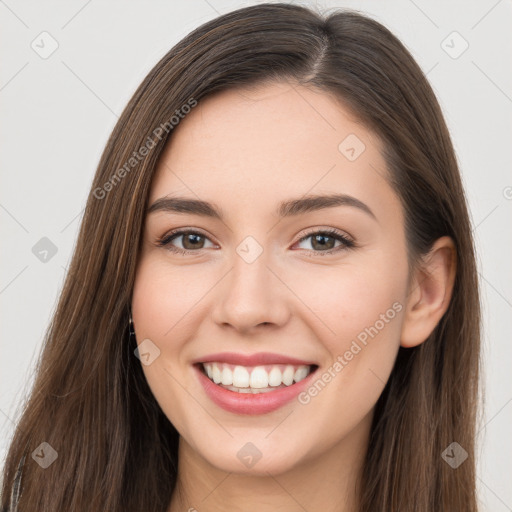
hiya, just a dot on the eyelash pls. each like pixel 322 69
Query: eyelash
pixel 347 243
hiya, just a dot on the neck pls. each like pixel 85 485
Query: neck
pixel 327 481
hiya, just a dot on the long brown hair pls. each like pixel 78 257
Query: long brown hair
pixel 116 450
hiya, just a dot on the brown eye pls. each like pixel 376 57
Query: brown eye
pixel 191 241
pixel 324 241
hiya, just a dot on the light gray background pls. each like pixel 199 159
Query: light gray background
pixel 56 115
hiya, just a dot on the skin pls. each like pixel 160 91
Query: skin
pixel 246 150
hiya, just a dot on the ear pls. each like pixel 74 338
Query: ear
pixel 429 293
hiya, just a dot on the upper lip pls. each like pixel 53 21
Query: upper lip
pixel 260 358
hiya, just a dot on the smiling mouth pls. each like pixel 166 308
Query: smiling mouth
pixel 255 379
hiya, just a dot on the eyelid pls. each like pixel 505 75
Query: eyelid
pixel 327 230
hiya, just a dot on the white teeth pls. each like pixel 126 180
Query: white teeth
pixel 216 374
pixel 240 377
pixel 301 373
pixel 275 377
pixel 245 380
pixel 227 376
pixel 259 378
pixel 288 374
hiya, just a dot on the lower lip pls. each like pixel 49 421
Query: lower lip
pixel 248 403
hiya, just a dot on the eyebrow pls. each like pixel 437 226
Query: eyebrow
pixel 287 208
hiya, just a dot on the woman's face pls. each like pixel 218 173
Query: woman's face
pixel 265 278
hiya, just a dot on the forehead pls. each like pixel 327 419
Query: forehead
pixel 263 144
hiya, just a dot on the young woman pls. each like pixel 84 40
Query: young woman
pixel 273 302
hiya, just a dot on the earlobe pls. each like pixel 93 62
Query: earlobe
pixel 430 292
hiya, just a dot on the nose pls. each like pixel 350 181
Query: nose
pixel 251 296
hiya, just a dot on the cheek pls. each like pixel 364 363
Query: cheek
pixel 363 313
pixel 348 301
pixel 165 300
pixel 358 311
pixel 163 312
